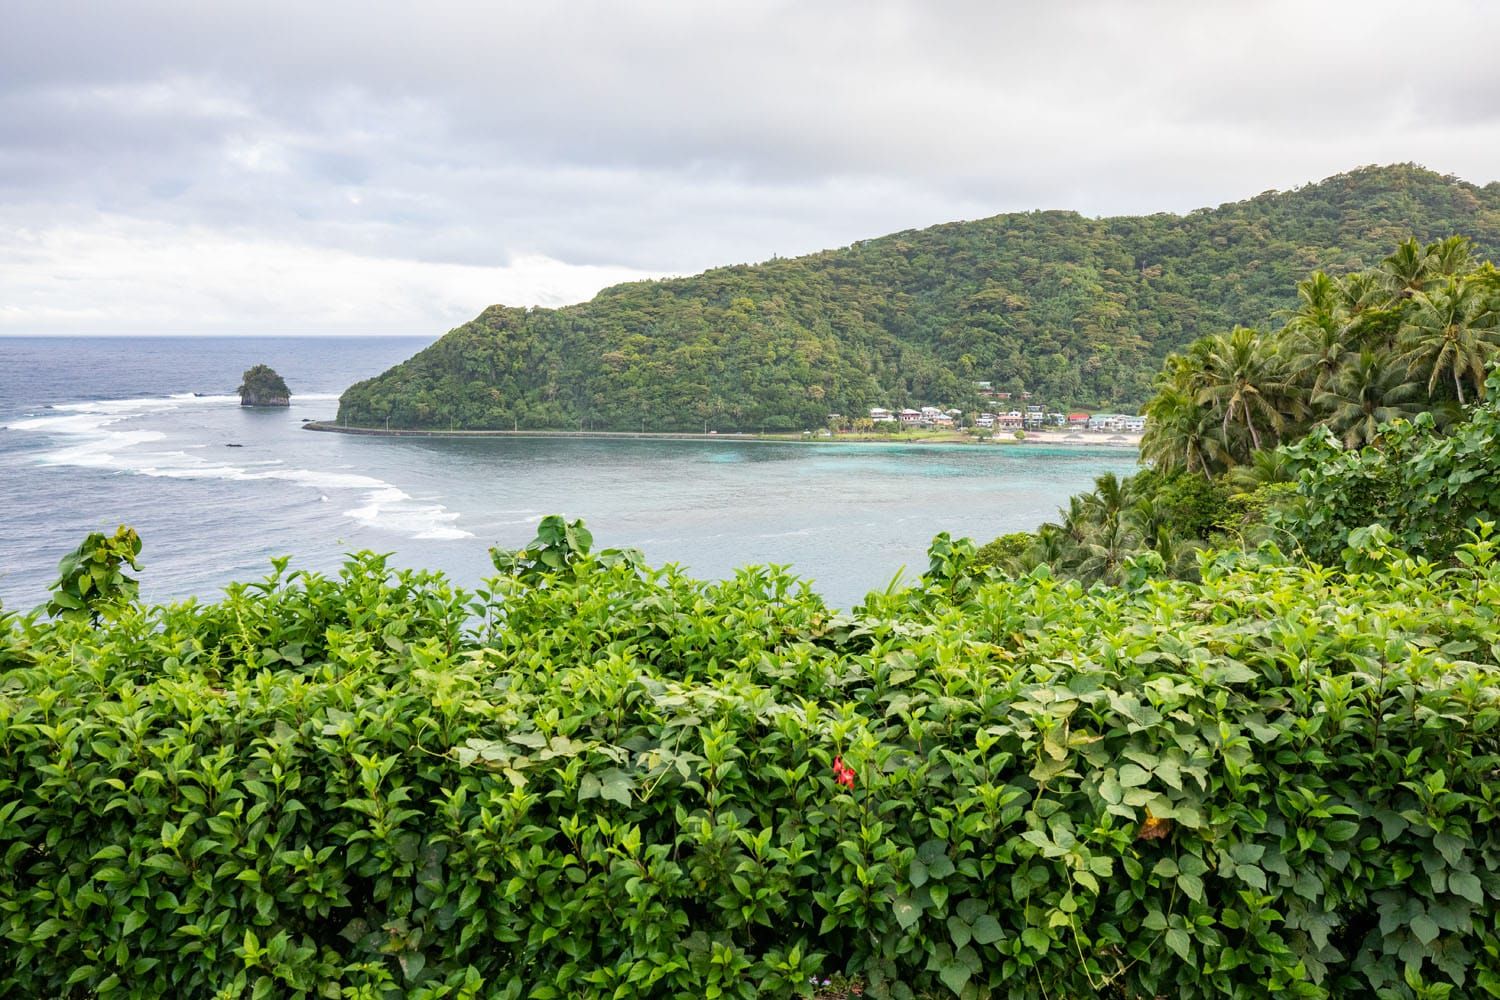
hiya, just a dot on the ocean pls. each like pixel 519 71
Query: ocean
pixel 96 432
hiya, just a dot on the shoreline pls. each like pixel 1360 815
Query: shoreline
pixel 1074 439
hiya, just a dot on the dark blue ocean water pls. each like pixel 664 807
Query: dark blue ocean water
pixel 96 432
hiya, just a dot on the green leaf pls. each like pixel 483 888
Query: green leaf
pixel 955 975
pixel 1178 940
pixel 46 929
pixel 1340 830
pixel 616 786
pixel 934 854
pixel 906 911
pixel 412 963
pixel 1467 885
pixel 1425 928
pixel 987 929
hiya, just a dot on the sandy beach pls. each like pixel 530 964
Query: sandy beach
pixel 1055 438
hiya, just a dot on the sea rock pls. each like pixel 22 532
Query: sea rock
pixel 261 386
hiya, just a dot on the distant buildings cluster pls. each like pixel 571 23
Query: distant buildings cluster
pixel 927 416
pixel 1033 417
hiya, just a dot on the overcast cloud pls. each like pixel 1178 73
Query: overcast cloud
pixel 343 167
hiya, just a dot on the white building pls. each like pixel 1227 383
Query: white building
pixel 1116 422
pixel 881 416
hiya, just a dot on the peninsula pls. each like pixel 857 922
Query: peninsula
pixel 1079 312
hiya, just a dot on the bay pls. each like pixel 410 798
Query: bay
pixel 96 432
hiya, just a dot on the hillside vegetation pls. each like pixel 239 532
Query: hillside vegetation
pixel 1359 410
pixel 1081 312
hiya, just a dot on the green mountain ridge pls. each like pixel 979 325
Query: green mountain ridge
pixel 1078 311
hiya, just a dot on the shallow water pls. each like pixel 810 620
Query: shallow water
pixel 101 431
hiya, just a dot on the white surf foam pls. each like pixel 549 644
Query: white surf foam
pixel 87 436
pixel 393 509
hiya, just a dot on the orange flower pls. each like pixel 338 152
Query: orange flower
pixel 1154 828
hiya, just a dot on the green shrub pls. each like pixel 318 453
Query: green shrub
pixel 1428 487
pixel 620 782
pixel 91 579
pixel 1006 553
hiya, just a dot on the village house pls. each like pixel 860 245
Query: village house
pixel 880 415
pixel 1078 420
pixel 1012 420
pixel 985 420
pixel 1117 422
pixel 910 418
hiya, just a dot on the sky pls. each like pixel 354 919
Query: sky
pixel 376 167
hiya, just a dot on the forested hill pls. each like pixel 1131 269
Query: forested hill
pixel 1080 312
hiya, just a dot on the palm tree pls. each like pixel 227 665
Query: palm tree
pixel 1181 434
pixel 1450 258
pixel 1451 333
pixel 1077 520
pixel 1317 328
pixel 1264 468
pixel 1179 555
pixel 1109 499
pixel 1151 520
pixel 1106 549
pixel 1371 390
pixel 1368 308
pixel 1407 271
pixel 1051 545
pixel 1247 382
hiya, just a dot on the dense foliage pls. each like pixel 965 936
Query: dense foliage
pixel 1078 311
pixel 1375 375
pixel 599 780
pixel 1413 334
pixel 1428 489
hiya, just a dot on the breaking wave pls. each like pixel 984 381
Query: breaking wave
pixel 104 434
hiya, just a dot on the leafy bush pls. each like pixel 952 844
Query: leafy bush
pixel 1429 488
pixel 91 579
pixel 1005 553
pixel 620 782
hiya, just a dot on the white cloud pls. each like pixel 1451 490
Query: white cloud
pixel 124 276
pixel 465 138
